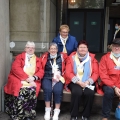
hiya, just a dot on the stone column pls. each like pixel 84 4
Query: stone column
pixel 4 44
pixel 106 29
pixel 44 20
pixel 47 28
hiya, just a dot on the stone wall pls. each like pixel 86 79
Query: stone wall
pixel 32 20
pixel 4 44
pixel 24 20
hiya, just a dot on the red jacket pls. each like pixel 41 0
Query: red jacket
pixel 108 74
pixel 17 74
pixel 69 68
pixel 44 60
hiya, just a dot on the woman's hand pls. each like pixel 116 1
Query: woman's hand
pixel 30 79
pixel 87 83
pixel 82 84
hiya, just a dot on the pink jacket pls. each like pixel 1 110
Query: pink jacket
pixel 17 74
pixel 69 68
pixel 109 75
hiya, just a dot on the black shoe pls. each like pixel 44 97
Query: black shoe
pixel 84 118
pixel 73 118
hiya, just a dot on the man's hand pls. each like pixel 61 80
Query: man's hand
pixel 117 91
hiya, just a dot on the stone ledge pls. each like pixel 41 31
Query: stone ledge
pixel 67 96
pixel 20 46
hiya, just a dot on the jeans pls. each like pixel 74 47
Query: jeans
pixel 57 90
pixel 107 101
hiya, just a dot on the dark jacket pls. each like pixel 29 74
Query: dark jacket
pixel 48 67
pixel 116 36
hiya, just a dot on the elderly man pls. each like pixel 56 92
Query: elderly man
pixel 109 70
pixel 23 85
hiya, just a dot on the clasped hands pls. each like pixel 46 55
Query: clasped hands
pixel 56 76
pixel 30 80
pixel 83 84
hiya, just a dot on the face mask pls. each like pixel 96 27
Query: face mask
pixel 53 56
pixel 116 55
pixel 116 27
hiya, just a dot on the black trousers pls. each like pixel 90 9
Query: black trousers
pixel 78 94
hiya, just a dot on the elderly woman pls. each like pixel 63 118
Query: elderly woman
pixel 23 85
pixel 81 74
pixel 53 64
pixel 109 70
pixel 66 43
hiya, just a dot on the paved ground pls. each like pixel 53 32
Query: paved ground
pixel 64 115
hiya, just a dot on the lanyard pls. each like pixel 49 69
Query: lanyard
pixel 54 66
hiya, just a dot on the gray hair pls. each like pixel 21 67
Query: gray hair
pixel 30 44
pixel 53 44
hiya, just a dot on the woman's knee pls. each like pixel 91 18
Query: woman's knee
pixel 89 92
pixel 77 92
pixel 47 85
pixel 58 88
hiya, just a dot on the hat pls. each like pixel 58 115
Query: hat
pixel 116 41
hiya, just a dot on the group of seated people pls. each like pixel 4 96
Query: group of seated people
pixel 67 64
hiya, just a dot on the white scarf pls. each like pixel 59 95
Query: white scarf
pixel 63 40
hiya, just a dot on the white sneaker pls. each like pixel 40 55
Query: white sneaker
pixel 56 114
pixel 47 113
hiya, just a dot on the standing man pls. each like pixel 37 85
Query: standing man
pixel 116 34
pixel 66 43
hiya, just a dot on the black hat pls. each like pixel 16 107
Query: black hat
pixel 116 41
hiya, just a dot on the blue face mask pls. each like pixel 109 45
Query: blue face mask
pixel 116 27
pixel 116 55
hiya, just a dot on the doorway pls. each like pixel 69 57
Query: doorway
pixel 87 25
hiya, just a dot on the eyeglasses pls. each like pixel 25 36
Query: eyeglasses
pixel 30 47
pixel 64 32
pixel 53 48
pixel 82 47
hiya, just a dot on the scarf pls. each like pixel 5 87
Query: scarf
pixel 63 40
pixel 30 64
pixel 83 67
pixel 117 62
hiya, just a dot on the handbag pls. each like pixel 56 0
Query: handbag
pixel 117 112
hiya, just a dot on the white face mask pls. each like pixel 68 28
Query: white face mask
pixel 116 54
pixel 53 56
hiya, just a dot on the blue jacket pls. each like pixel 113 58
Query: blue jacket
pixel 71 44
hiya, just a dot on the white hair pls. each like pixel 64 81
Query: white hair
pixel 53 44
pixel 30 44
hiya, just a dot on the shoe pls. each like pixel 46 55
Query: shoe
pixel 84 118
pixel 47 113
pixel 28 119
pixel 56 114
pixel 73 118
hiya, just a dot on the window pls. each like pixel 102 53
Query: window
pixel 86 4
